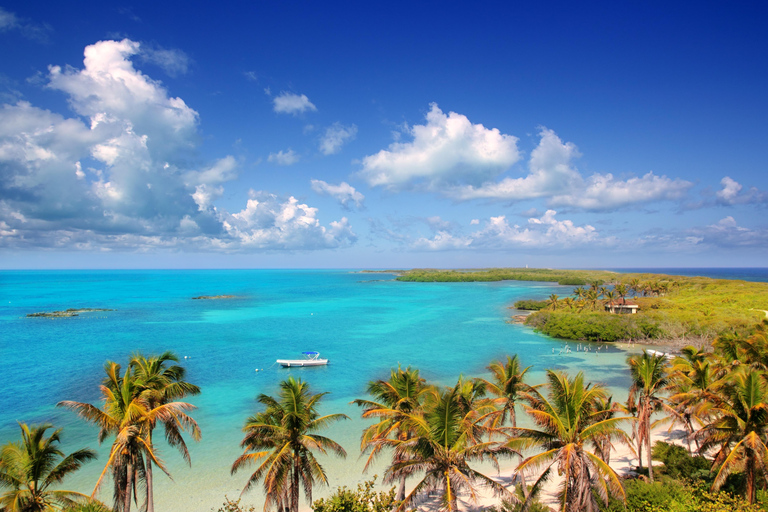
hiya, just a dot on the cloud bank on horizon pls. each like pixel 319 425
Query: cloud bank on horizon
pixel 127 167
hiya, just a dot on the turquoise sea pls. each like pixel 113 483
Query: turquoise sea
pixel 364 323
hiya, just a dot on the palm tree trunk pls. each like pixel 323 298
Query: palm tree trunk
pixel 750 470
pixel 520 476
pixel 128 488
pixel 295 484
pixel 401 489
pixel 150 494
pixel 648 444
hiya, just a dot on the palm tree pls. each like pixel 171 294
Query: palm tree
pixel 568 420
pixel 649 378
pixel 393 400
pixel 127 416
pixel 635 285
pixel 739 430
pixel 30 467
pixel 158 385
pixel 621 290
pixel 552 301
pixel 281 440
pixel 693 382
pixel 579 292
pixel 508 386
pixel 443 443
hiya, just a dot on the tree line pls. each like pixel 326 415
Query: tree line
pixel 432 437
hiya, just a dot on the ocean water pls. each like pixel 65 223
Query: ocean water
pixel 364 323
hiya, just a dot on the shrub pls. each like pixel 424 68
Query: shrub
pixel 364 499
pixel 678 463
pixel 530 305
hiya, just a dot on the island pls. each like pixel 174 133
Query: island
pixel 626 307
pixel 66 312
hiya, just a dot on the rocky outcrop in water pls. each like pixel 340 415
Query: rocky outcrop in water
pixel 66 312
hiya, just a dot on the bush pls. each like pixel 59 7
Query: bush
pixel 364 499
pixel 670 495
pixel 678 463
pixel 530 305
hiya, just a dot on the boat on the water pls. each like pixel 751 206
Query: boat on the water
pixel 310 359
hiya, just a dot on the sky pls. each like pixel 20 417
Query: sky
pixel 383 134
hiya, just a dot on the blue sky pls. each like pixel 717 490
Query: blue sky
pixel 400 134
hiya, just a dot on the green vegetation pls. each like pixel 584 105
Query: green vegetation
pixel 133 404
pixel 364 499
pixel 281 440
pixel 31 469
pixel 670 307
pixel 531 305
pixel 565 277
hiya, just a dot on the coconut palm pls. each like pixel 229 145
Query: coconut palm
pixel 508 386
pixel 740 429
pixel 30 467
pixel 552 301
pixel 127 416
pixel 649 378
pixel 693 382
pixel 158 384
pixel 443 443
pixel 281 440
pixel 568 420
pixel 579 292
pixel 393 400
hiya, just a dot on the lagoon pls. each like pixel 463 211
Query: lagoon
pixel 364 324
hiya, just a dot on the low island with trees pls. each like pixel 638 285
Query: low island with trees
pixel 676 310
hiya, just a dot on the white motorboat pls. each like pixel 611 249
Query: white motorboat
pixel 310 359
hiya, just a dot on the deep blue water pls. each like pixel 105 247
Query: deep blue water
pixel 364 323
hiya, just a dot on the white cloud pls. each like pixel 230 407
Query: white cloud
pixel 268 223
pixel 448 149
pixel 289 157
pixel 551 172
pixel 553 176
pixel 29 29
pixel 289 103
pixel 126 178
pixel 498 234
pixel 343 192
pixel 173 61
pixel 474 222
pixel 731 193
pixel 335 137
pixel 604 192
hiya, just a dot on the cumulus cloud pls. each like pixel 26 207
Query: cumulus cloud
pixel 464 161
pixel 343 192
pixel 604 192
pixel 448 149
pixel 289 157
pixel 290 103
pixel 126 178
pixel 731 193
pixel 335 137
pixel 268 223
pixel 552 175
pixel 499 234
pixel 551 172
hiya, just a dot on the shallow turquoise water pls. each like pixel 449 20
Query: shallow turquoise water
pixel 364 323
